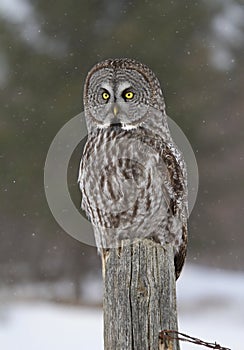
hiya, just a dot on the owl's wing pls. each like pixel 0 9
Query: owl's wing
pixel 80 180
pixel 179 258
pixel 177 187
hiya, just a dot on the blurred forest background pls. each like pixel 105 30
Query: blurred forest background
pixel 46 49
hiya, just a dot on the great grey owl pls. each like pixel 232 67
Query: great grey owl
pixel 132 176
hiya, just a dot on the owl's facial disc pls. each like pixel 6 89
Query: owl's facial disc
pixel 118 96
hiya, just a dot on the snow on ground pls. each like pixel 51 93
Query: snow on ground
pixel 211 307
pixel 43 326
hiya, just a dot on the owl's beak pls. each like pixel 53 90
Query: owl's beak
pixel 115 110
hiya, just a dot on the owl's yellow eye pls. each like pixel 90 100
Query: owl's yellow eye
pixel 129 95
pixel 105 96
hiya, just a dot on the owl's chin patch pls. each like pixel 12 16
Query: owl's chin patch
pixel 123 126
pixel 117 126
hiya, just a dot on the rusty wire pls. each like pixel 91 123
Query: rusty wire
pixel 171 335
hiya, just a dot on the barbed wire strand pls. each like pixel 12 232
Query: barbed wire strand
pixel 171 335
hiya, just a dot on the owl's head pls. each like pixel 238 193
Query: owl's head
pixel 122 92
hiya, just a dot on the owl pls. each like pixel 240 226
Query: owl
pixel 132 176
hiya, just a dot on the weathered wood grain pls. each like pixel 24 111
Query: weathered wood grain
pixel 139 296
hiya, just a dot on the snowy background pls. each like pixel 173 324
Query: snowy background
pixel 211 307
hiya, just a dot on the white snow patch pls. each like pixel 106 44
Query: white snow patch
pixel 211 307
pixel 45 326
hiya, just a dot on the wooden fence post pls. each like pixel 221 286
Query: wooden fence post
pixel 139 296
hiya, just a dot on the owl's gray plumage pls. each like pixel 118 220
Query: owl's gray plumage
pixel 132 176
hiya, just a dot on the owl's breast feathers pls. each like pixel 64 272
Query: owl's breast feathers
pixel 133 185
